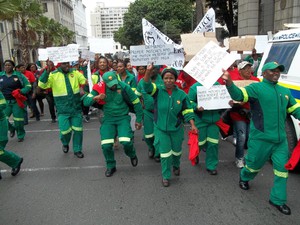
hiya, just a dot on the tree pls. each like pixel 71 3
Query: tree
pixel 7 8
pixel 172 17
pixel 226 13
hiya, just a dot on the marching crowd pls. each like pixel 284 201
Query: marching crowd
pixel 160 100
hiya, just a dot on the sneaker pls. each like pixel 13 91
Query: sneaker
pixel 234 141
pixel 239 163
pixel 86 119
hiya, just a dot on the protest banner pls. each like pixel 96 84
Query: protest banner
pixel 208 22
pixel 141 55
pixel 63 54
pixel 153 36
pixel 43 54
pixel 89 76
pixel 246 43
pixel 193 42
pixel 206 66
pixel 216 97
pixel 86 54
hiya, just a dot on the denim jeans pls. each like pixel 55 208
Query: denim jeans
pixel 241 129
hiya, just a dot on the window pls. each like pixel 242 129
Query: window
pixel 283 53
pixel 45 7
pixel 1 28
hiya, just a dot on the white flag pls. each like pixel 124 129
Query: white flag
pixel 152 36
pixel 207 24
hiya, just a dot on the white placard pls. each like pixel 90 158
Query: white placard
pixel 153 36
pixel 216 97
pixel 145 54
pixel 89 76
pixel 86 54
pixel 43 54
pixel 63 54
pixel 206 66
pixel 208 22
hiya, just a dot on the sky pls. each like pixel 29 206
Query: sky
pixel 90 5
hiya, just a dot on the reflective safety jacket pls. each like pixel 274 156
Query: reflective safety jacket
pixel 169 110
pixel 130 80
pixel 269 103
pixel 65 89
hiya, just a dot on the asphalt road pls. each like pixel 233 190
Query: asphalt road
pixel 58 188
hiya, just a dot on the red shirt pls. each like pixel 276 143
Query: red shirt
pixel 30 76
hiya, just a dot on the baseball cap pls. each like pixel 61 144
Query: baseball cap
pixel 242 65
pixel 110 78
pixel 273 65
pixel 170 70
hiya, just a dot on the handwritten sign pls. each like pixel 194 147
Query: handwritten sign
pixel 153 36
pixel 242 44
pixel 43 54
pixel 63 54
pixel 145 54
pixel 206 66
pixel 216 97
pixel 193 43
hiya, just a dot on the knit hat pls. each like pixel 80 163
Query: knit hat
pixel 110 78
pixel 242 65
pixel 272 66
pixel 170 70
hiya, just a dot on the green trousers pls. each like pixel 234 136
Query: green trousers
pixel 258 153
pixel 149 131
pixel 9 158
pixel 69 124
pixel 18 116
pixel 109 129
pixel 169 145
pixel 209 140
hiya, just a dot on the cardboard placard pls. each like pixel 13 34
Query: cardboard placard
pixel 243 83
pixel 193 42
pixel 242 44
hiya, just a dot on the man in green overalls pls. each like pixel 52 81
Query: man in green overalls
pixel 67 87
pixel 269 103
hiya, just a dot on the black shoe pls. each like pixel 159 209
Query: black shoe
pixel 197 160
pixel 20 139
pixel 53 121
pixel 157 159
pixel 165 183
pixel 37 119
pixel 176 171
pixel 151 154
pixel 65 148
pixel 110 172
pixel 134 161
pixel 0 176
pixel 212 172
pixel 282 208
pixel 16 170
pixel 79 155
pixel 244 185
pixel 12 133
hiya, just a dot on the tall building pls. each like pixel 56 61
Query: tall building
pixel 261 16
pixel 106 20
pixel 80 23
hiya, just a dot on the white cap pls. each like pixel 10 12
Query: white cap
pixel 243 64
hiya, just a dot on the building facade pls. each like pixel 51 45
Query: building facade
pixel 260 16
pixel 80 23
pixel 106 20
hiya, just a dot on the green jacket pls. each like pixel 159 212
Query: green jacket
pixel 169 110
pixel 2 106
pixel 65 89
pixel 117 103
pixel 24 81
pixel 269 103
pixel 130 80
pixel 206 116
pixel 148 101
